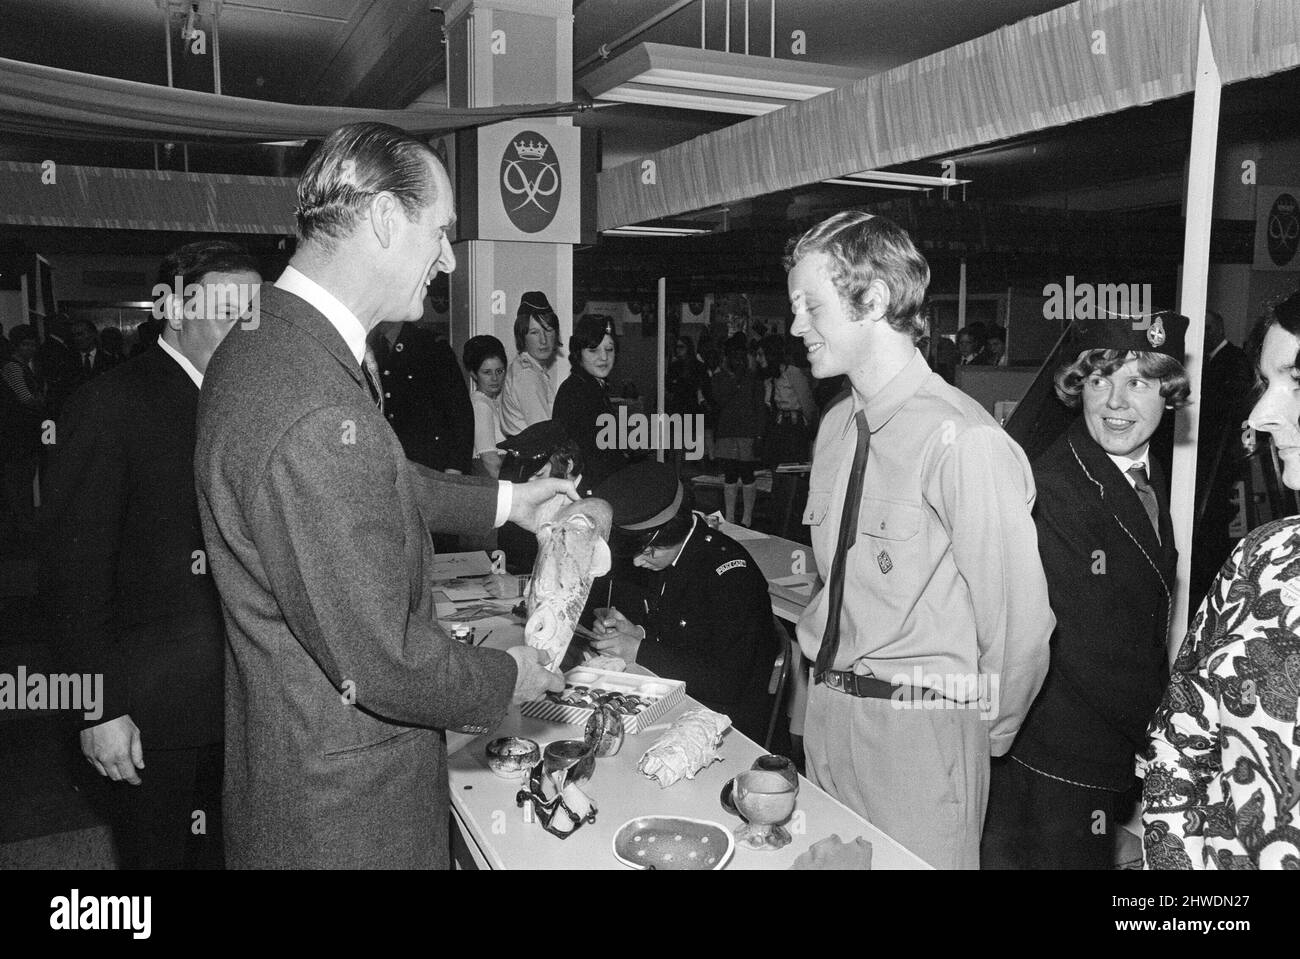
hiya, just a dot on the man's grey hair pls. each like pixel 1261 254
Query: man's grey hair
pixel 353 164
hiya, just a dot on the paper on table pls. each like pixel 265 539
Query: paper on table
pixel 452 565
pixel 459 590
pixel 474 613
pixel 798 583
pixel 741 533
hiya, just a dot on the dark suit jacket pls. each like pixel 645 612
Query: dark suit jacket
pixel 125 585
pixel 59 368
pixel 426 400
pixel 1110 583
pixel 339 679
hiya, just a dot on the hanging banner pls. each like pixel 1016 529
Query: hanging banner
pixel 1277 227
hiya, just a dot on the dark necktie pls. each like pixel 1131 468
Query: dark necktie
pixel 1147 495
pixel 848 534
pixel 370 370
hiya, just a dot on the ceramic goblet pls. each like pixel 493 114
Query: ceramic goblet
pixel 766 799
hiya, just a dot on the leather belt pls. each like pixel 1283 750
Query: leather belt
pixel 870 687
pixel 864 687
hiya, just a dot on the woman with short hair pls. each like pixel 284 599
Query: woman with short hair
pixel 485 361
pixel 529 392
pixel 1058 798
pixel 582 405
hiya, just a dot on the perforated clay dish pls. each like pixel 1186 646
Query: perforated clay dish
pixel 673 842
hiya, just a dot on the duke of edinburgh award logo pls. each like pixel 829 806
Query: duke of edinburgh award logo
pixel 530 182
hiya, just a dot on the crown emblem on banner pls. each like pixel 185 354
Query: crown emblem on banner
pixel 530 151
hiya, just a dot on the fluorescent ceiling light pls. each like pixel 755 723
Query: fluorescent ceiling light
pixel 691 79
pixel 656 231
pixel 840 181
pixel 915 179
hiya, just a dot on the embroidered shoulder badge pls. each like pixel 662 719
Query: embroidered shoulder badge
pixel 734 564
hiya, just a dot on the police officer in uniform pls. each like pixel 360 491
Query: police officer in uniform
pixel 1059 797
pixel 693 606
pixel 425 398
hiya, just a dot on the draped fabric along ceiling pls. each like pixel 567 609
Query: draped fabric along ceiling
pixel 46 101
pixel 1085 60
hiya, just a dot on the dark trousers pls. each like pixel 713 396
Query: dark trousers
pixel 1036 822
pixel 155 825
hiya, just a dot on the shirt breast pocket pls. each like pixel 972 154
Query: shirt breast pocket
pixel 819 502
pixel 885 520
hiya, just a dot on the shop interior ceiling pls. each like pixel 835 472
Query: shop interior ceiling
pixel 389 53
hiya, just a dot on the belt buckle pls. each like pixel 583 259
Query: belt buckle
pixel 835 680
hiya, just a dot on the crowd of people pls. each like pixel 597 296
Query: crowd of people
pixel 237 525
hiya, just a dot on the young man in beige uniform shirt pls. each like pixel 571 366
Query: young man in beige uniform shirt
pixel 939 622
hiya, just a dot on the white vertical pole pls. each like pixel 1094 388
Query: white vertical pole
pixel 661 365
pixel 704 4
pixel 216 49
pixel 771 27
pixel 726 33
pixel 167 33
pixel 961 295
pixel 746 26
pixel 1196 263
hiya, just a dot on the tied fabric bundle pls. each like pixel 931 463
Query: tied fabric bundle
pixel 690 745
pixel 834 853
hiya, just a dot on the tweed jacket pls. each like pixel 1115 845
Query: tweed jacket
pixel 339 681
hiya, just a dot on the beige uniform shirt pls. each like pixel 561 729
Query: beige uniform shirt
pixel 943 587
pixel 528 395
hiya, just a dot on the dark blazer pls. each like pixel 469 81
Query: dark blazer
pixel 1110 583
pixel 708 622
pixel 579 402
pixel 58 365
pixel 123 578
pixel 426 399
pixel 339 680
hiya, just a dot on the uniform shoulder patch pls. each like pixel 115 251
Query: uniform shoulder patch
pixel 734 564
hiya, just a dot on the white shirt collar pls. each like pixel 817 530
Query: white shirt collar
pixel 1125 463
pixel 340 317
pixel 1215 352
pixel 190 370
pixel 695 519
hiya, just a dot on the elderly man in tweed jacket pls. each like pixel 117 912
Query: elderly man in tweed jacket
pixel 339 681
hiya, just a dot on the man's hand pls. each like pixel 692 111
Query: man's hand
pixel 532 679
pixel 114 748
pixel 616 635
pixel 535 502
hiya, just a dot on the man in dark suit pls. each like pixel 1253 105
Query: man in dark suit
pixel 1226 381
pixel 1060 796
pixel 57 363
pixel 426 401
pixel 125 581
pixel 339 680
pixel 88 358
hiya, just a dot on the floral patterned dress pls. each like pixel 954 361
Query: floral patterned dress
pixel 1223 764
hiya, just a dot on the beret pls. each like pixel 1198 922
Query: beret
pixel 1161 333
